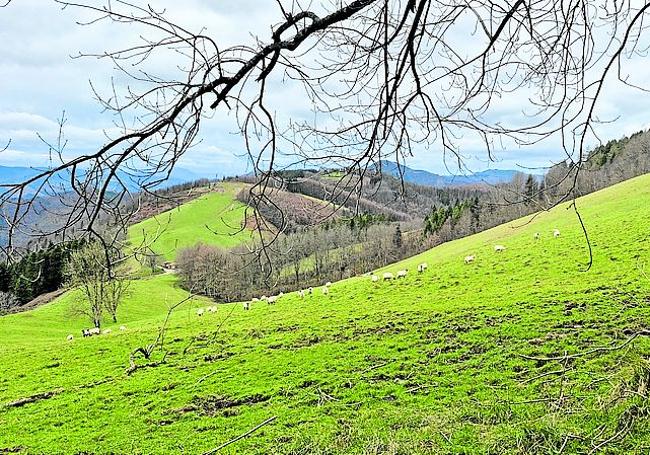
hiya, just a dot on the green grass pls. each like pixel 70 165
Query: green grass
pixel 429 364
pixel 213 219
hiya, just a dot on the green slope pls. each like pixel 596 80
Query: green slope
pixel 433 363
pixel 214 219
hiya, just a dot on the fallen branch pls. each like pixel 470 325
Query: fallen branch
pixel 591 351
pixel 242 436
pixel 33 398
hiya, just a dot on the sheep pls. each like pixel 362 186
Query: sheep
pixel 271 300
pixel 90 332
pixel 107 332
pixel 422 267
pixel 556 233
pixel 200 312
pixel 255 299
pixel 402 273
pixel 212 309
pixel 388 276
pixel 301 293
pixel 122 328
pixel 499 248
pixel 264 298
pixel 247 306
pixel 469 259
pixel 328 284
pixel 326 290
pixel 536 236
pixel 280 294
pixel 375 278
pixel 70 337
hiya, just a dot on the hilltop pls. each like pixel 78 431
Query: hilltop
pixel 519 352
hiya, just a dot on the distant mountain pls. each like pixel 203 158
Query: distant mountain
pixel 422 177
pixel 12 175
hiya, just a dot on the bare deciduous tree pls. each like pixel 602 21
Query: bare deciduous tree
pixel 102 289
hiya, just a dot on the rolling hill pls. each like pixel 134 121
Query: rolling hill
pixel 520 352
pixel 214 219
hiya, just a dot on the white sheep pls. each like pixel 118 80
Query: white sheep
pixel 422 267
pixel 328 284
pixel 556 233
pixel 107 332
pixel 326 290
pixel 200 312
pixel 388 276
pixel 402 273
pixel 70 337
pixel 264 298
pixel 212 309
pixel 255 299
pixel 271 300
pixel 301 293
pixel 247 306
pixel 469 259
pixel 375 278
pixel 536 236
pixel 91 332
pixel 499 248
pixel 122 328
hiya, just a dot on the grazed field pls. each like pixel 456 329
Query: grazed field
pixel 214 219
pixel 434 363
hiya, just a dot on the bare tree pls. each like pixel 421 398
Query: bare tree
pixel 383 77
pixel 102 289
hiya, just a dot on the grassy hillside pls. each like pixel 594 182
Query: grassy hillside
pixel 214 219
pixel 520 352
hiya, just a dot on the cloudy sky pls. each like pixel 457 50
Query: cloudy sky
pixel 40 81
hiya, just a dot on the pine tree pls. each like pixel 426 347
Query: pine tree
pixel 397 238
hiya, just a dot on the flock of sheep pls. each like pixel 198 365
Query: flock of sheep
pixel 94 331
pixel 386 276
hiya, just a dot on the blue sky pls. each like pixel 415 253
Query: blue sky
pixel 40 80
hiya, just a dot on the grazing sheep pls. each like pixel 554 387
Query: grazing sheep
pixel 469 259
pixel 90 332
pixel 200 312
pixel 499 248
pixel 255 299
pixel 375 278
pixel 271 300
pixel 301 293
pixel 388 276
pixel 280 294
pixel 328 284
pixel 122 328
pixel 402 273
pixel 212 309
pixel 70 337
pixel 326 290
pixel 107 332
pixel 536 236
pixel 422 267
pixel 247 306
pixel 556 233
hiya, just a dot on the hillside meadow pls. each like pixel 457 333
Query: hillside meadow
pixel 214 218
pixel 520 352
